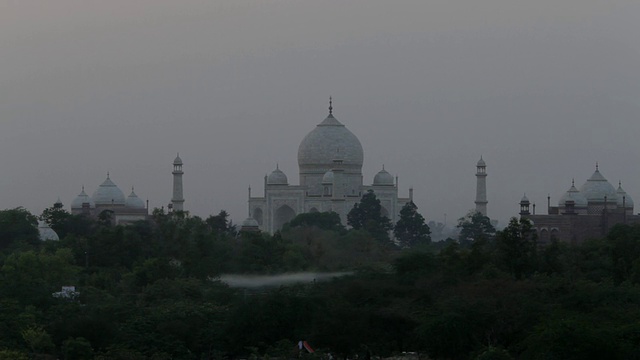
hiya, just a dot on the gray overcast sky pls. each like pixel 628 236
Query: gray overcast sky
pixel 542 89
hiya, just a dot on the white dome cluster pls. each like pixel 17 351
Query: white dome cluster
pixel 107 194
pixel 592 194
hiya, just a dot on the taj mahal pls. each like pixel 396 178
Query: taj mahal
pixel 330 159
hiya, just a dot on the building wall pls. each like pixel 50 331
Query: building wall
pixel 575 229
pixel 266 209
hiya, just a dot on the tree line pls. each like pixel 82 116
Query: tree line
pixel 150 290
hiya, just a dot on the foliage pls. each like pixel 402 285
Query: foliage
pixel 516 248
pixel 624 242
pixel 57 218
pixel 38 340
pixel 367 215
pixel 322 220
pixel 411 229
pixel 148 291
pixel 474 227
pixel 493 353
pixel 13 355
pixel 221 224
pixel 77 349
pixel 18 228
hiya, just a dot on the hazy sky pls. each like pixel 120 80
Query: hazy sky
pixel 541 89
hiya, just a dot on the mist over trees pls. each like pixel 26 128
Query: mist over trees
pixel 151 290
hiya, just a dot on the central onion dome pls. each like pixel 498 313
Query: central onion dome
pixel 277 177
pixel 573 195
pixel 383 178
pixel 108 193
pixel 317 150
pixel 597 187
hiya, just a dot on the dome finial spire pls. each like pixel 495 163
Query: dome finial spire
pixel 573 182
pixel 596 166
pixel 330 105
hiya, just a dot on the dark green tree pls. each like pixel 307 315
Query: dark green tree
pixel 18 227
pixel 624 242
pixel 475 226
pixel 55 216
pixel 221 224
pixel 367 215
pixel 516 248
pixel 411 229
pixel 77 349
pixel 322 220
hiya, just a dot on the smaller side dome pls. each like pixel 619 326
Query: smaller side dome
pixel 177 160
pixel 133 201
pixel 524 200
pixel 277 177
pixel 327 179
pixel 573 195
pixel 383 178
pixel 82 198
pixel 481 163
pixel 46 233
pixel 623 197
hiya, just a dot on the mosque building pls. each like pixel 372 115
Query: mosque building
pixel 108 197
pixel 582 214
pixel 330 162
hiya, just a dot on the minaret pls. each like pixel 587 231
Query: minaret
pixel 481 187
pixel 177 200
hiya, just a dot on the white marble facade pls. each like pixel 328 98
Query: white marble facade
pixel 330 161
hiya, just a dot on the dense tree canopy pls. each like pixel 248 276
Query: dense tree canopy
pixel 411 229
pixel 17 226
pixel 322 220
pixel 516 248
pixel 475 227
pixel 150 290
pixel 367 215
